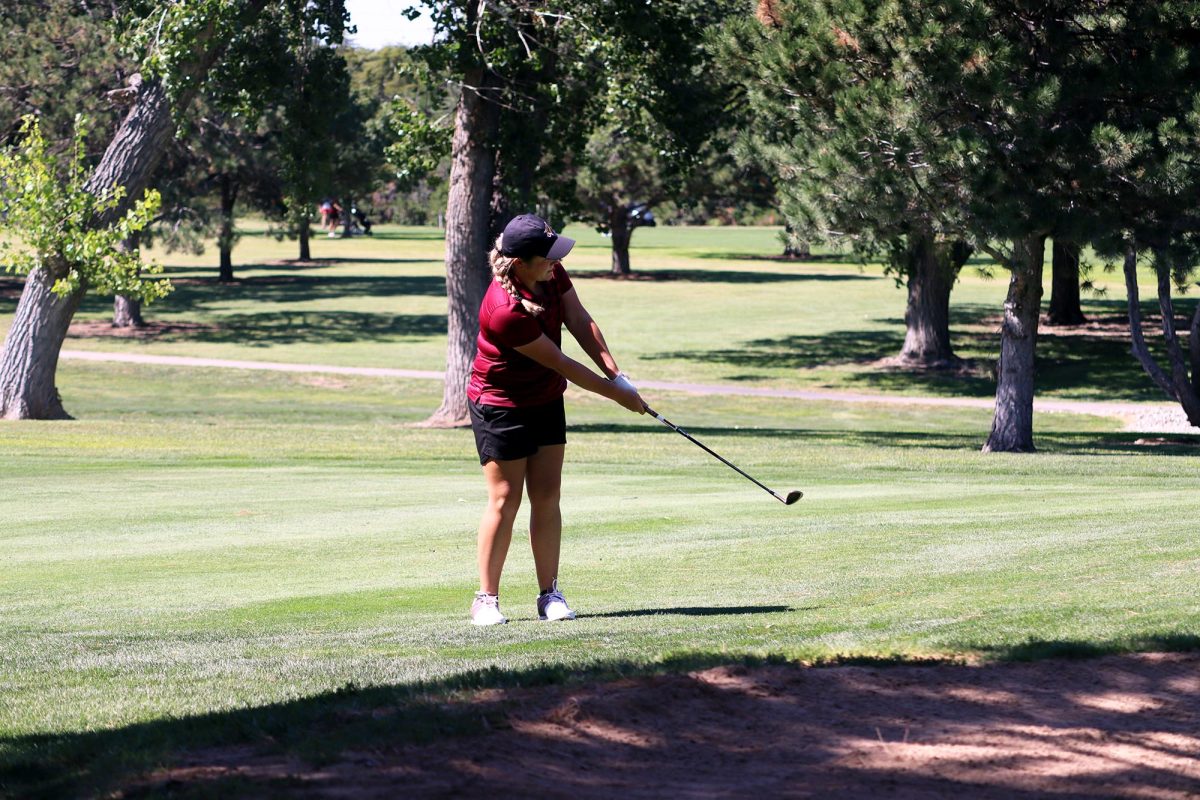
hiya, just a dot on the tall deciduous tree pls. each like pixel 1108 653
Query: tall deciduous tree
pixel 472 168
pixel 179 42
pixel 49 214
pixel 534 83
pixel 649 104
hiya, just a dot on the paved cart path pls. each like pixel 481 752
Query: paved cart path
pixel 1149 417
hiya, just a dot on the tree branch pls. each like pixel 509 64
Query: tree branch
pixel 1162 268
pixel 991 250
pixel 1140 351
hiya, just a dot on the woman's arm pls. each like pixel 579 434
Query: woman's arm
pixel 546 353
pixel 585 330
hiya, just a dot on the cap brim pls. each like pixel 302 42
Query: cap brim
pixel 560 248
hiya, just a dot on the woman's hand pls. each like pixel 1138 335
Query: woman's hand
pixel 628 394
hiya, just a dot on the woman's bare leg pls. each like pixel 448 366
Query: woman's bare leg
pixel 543 482
pixel 504 481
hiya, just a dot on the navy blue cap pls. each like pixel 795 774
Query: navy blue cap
pixel 529 235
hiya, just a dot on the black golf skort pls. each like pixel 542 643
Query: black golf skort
pixel 506 434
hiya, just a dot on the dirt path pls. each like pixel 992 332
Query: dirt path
pixel 1144 417
pixel 1120 726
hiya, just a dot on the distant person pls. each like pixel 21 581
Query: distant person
pixel 363 220
pixel 326 210
pixel 515 399
pixel 335 218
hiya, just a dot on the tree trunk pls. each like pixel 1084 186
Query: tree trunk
pixel 1140 351
pixel 618 224
pixel 127 311
pixel 305 232
pixel 1012 422
pixel 798 250
pixel 1177 385
pixel 30 358
pixel 793 247
pixel 932 270
pixel 500 212
pixel 473 161
pixel 1194 349
pixel 1064 285
pixel 347 221
pixel 229 193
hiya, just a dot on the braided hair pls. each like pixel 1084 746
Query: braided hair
pixel 502 266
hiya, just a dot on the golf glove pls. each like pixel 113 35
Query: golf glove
pixel 623 381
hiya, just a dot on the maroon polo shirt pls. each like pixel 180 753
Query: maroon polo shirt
pixel 500 376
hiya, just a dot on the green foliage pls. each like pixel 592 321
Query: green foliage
pixel 417 117
pixel 62 62
pixel 166 36
pixel 637 75
pixel 51 218
pixel 837 116
pixel 418 144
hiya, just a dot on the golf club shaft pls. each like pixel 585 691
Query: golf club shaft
pixel 712 453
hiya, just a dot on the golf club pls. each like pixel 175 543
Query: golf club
pixel 791 497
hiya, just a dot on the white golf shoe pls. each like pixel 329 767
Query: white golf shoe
pixel 486 610
pixel 552 606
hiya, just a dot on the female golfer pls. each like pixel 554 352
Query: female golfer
pixel 516 403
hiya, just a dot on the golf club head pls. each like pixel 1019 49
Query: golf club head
pixel 793 496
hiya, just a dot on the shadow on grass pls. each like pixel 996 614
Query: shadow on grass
pixel 318 263
pixel 695 611
pixel 1038 649
pixel 1058 443
pixel 355 733
pixel 197 295
pixel 720 276
pixel 313 327
pixel 432 235
pixel 815 258
pixel 251 272
pixel 1084 363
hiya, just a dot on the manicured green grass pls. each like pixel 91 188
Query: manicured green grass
pixel 216 556
pixel 208 541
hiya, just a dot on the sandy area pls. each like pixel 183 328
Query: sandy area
pixel 1120 726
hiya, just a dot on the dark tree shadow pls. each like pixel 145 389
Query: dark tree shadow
pixel 727 719
pixel 1084 362
pixel 1062 443
pixel 815 258
pixel 697 611
pixel 314 327
pixel 319 263
pixel 719 276
pixel 197 294
pixel 1038 649
pixel 10 290
pixel 431 235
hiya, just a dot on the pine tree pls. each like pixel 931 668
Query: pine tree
pixel 836 117
pixel 979 121
pixel 1146 150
